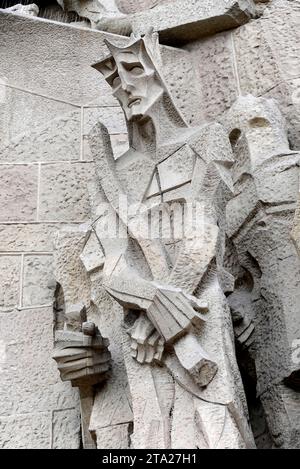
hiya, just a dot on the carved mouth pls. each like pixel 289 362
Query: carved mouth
pixel 134 101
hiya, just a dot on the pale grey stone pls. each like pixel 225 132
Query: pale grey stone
pixel 213 59
pixel 175 302
pixel 133 6
pixel 58 140
pixel 111 117
pixel 266 54
pixel 67 77
pixel 63 192
pixel 24 114
pixel 10 276
pixel 182 21
pixel 31 10
pixel 18 197
pixel 26 431
pixel 38 281
pixel 66 429
pixel 180 307
pixel 27 237
pixel 30 382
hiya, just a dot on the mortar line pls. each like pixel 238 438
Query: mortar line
pixel 42 222
pixel 51 98
pixel 26 253
pixel 43 163
pixel 26 308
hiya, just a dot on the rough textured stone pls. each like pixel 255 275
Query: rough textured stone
pixel 191 298
pixel 111 117
pixel 63 192
pixel 29 237
pixel 10 275
pixel 266 54
pixel 133 6
pixel 38 281
pixel 66 76
pixel 259 221
pixel 183 21
pixel 58 140
pixel 187 317
pixel 18 197
pixel 66 429
pixel 213 60
pixel 26 431
pixel 24 115
pixel 30 387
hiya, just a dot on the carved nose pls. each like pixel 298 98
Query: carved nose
pixel 124 84
pixel 127 87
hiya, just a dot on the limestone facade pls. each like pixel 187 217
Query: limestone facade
pixel 229 378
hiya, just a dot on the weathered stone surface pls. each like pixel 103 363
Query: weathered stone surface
pixel 67 77
pixel 69 269
pixel 214 63
pixel 19 9
pixel 30 237
pixel 183 21
pixel 38 281
pixel 133 6
pixel 24 114
pixel 296 228
pixel 282 409
pixel 111 117
pixel 113 437
pixel 183 80
pixel 259 221
pixel 66 429
pixel 186 312
pixel 30 387
pixel 18 197
pixel 266 54
pixel 26 431
pixel 119 143
pixel 168 290
pixel 10 275
pixel 63 192
pixel 58 140
pixel 98 12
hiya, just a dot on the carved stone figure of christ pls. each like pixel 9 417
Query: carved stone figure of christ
pixel 166 269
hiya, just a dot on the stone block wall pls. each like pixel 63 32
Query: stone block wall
pixel 259 58
pixel 50 99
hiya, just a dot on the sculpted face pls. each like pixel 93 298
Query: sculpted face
pixel 133 80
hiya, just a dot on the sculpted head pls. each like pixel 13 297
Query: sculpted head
pixel 133 75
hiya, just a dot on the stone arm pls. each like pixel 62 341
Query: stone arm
pixel 170 315
pixel 80 351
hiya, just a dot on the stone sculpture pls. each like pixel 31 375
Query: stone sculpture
pixel 168 283
pixel 259 223
pixel 175 320
pixel 31 10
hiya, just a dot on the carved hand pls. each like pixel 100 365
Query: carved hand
pixel 173 312
pixel 147 345
pixel 82 357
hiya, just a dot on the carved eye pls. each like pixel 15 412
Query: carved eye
pixel 134 68
pixel 137 71
pixel 116 82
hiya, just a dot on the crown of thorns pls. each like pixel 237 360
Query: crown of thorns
pixel 148 43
